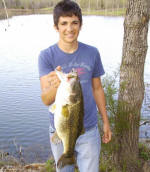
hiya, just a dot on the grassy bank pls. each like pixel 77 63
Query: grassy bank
pixel 110 12
pixel 9 163
pixel 16 12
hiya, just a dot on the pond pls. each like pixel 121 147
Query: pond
pixel 24 119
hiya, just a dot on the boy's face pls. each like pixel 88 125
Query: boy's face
pixel 68 28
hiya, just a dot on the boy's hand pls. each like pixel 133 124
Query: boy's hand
pixel 53 79
pixel 107 133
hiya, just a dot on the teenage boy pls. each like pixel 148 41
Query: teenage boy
pixel 69 53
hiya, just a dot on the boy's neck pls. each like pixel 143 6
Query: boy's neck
pixel 68 47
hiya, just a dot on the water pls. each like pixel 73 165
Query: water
pixel 23 118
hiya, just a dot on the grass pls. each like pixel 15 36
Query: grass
pixel 15 12
pixel 109 12
pixel 50 166
pixel 106 160
pixel 144 152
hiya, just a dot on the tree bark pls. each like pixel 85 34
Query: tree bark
pixel 131 92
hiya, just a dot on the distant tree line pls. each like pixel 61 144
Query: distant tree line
pixel 85 4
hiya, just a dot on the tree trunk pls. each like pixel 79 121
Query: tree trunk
pixel 131 91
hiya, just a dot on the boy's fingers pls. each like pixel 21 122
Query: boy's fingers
pixel 107 137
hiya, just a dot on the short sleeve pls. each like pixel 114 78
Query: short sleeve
pixel 98 66
pixel 44 65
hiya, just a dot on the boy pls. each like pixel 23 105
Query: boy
pixel 69 53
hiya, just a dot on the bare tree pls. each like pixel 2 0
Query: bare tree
pixel 5 10
pixel 131 91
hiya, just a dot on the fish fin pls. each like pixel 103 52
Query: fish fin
pixel 60 74
pixel 65 111
pixel 83 131
pixel 52 108
pixel 65 160
pixel 55 138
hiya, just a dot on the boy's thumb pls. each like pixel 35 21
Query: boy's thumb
pixel 58 68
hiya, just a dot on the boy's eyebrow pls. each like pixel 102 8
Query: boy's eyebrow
pixel 63 21
pixel 74 21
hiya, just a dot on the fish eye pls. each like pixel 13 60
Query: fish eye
pixel 73 70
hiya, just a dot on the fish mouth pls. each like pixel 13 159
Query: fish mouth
pixel 73 74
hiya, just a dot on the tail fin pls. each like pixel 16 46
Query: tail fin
pixel 65 160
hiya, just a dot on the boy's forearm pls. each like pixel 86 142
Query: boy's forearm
pixel 48 95
pixel 100 101
pixel 101 104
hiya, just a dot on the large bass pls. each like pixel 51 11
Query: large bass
pixel 68 115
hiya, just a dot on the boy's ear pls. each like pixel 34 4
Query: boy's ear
pixel 81 27
pixel 56 27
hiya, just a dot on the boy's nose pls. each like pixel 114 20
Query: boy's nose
pixel 69 28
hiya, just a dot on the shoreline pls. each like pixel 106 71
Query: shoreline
pixel 10 163
pixel 17 12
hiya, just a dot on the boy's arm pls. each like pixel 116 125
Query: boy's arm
pixel 99 96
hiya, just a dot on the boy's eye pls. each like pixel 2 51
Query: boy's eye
pixel 75 22
pixel 63 23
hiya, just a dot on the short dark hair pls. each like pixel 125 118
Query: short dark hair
pixel 66 8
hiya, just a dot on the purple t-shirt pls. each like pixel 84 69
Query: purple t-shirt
pixel 86 60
